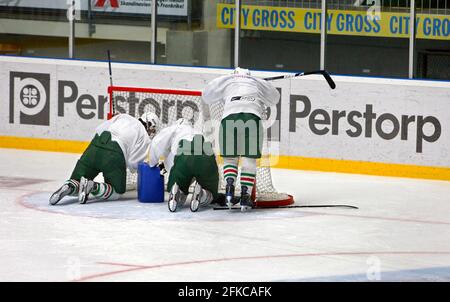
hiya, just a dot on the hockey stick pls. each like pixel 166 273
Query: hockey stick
pixel 110 69
pixel 113 111
pixel 324 73
pixel 296 206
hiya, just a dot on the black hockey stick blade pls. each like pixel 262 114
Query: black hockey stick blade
pixel 326 75
pixel 330 81
pixel 297 206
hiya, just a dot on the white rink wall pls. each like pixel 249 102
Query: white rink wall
pixel 364 119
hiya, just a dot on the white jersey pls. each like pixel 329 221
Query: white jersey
pixel 165 143
pixel 241 94
pixel 131 136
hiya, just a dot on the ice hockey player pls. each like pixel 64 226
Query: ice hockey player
pixel 241 132
pixel 120 142
pixel 187 156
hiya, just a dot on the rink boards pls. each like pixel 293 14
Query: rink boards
pixel 366 125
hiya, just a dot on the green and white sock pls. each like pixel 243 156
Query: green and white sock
pixel 248 179
pixel 74 185
pixel 104 191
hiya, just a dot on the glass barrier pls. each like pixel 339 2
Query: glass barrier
pixel 280 35
pixel 368 40
pixel 196 35
pixel 432 52
pixel 32 28
pixel 123 27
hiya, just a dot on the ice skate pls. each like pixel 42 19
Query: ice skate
pixel 60 193
pixel 86 187
pixel 196 196
pixel 176 198
pixel 229 193
pixel 200 197
pixel 245 200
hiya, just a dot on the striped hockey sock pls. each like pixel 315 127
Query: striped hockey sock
pixel 103 191
pixel 230 170
pixel 74 185
pixel 248 179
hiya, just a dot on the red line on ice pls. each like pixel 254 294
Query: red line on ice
pixel 20 201
pixel 133 267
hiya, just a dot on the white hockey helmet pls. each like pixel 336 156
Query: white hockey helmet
pixel 241 71
pixel 151 122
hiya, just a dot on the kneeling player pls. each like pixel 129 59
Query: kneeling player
pixel 120 142
pixel 241 134
pixel 187 156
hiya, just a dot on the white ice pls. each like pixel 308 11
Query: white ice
pixel 401 231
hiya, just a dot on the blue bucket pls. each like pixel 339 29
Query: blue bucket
pixel 150 184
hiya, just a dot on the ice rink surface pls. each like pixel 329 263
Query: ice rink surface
pixel 401 231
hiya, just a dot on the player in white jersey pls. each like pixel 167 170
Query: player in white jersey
pixel 187 156
pixel 241 132
pixel 120 142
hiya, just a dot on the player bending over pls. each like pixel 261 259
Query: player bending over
pixel 241 132
pixel 187 156
pixel 120 142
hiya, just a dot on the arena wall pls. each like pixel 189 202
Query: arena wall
pixel 375 126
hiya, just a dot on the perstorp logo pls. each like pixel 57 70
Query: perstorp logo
pixel 365 123
pixel 29 98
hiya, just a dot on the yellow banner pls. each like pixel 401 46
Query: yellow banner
pixel 339 22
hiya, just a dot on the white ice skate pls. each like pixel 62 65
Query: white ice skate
pixel 195 202
pixel 86 187
pixel 59 194
pixel 200 197
pixel 176 198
